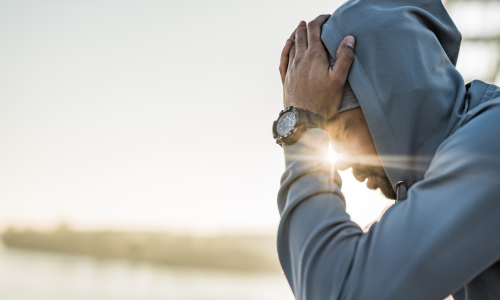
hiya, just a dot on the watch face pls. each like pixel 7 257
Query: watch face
pixel 286 123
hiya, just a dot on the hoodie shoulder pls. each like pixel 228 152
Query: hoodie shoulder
pixel 480 98
pixel 492 92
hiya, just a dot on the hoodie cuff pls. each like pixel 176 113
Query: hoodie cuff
pixel 312 146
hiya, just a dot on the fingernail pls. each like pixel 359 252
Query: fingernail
pixel 350 41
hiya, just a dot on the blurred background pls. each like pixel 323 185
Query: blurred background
pixel 136 158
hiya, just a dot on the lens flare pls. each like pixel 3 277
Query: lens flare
pixel 332 155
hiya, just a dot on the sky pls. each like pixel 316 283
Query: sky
pixel 150 115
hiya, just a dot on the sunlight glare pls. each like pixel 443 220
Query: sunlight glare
pixel 332 155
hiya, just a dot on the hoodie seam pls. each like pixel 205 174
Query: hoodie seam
pixel 484 93
pixel 380 105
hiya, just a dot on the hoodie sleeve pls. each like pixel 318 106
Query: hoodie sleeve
pixel 427 247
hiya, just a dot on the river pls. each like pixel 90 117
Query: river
pixel 34 275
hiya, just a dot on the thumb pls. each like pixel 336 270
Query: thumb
pixel 345 56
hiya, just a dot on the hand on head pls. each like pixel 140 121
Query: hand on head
pixel 308 80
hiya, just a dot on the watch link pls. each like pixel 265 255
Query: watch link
pixel 293 122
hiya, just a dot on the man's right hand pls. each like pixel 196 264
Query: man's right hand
pixel 286 51
pixel 308 80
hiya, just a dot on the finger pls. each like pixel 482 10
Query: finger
pixel 300 41
pixel 291 56
pixel 314 29
pixel 345 56
pixel 301 24
pixel 284 59
pixel 285 54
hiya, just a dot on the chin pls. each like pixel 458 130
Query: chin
pixel 382 183
pixel 387 191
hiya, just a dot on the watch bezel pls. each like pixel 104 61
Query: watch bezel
pixel 296 121
pixel 291 136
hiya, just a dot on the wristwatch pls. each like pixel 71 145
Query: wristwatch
pixel 293 122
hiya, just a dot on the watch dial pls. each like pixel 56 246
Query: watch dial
pixel 286 123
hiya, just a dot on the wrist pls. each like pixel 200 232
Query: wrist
pixel 292 122
pixel 326 111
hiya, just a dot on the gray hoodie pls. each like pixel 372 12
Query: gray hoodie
pixel 431 131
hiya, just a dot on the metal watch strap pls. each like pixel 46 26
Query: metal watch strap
pixel 315 120
pixel 305 120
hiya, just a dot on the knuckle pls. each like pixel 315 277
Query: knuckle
pixel 314 51
pixel 321 19
pixel 302 30
pixel 314 39
pixel 336 80
pixel 298 59
pixel 313 27
pixel 301 34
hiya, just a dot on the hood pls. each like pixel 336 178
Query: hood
pixel 404 77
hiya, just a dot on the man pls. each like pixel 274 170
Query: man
pixel 414 130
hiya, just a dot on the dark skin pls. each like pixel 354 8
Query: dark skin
pixel 310 83
pixel 351 139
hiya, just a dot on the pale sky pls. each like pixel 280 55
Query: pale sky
pixel 150 115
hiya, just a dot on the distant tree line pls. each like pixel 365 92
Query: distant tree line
pixel 249 253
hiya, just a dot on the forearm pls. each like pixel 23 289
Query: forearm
pixel 316 238
pixel 308 171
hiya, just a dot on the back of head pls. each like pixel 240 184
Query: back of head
pixel 403 76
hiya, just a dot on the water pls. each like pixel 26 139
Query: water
pixel 32 275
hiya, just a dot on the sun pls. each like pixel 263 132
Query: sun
pixel 332 155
